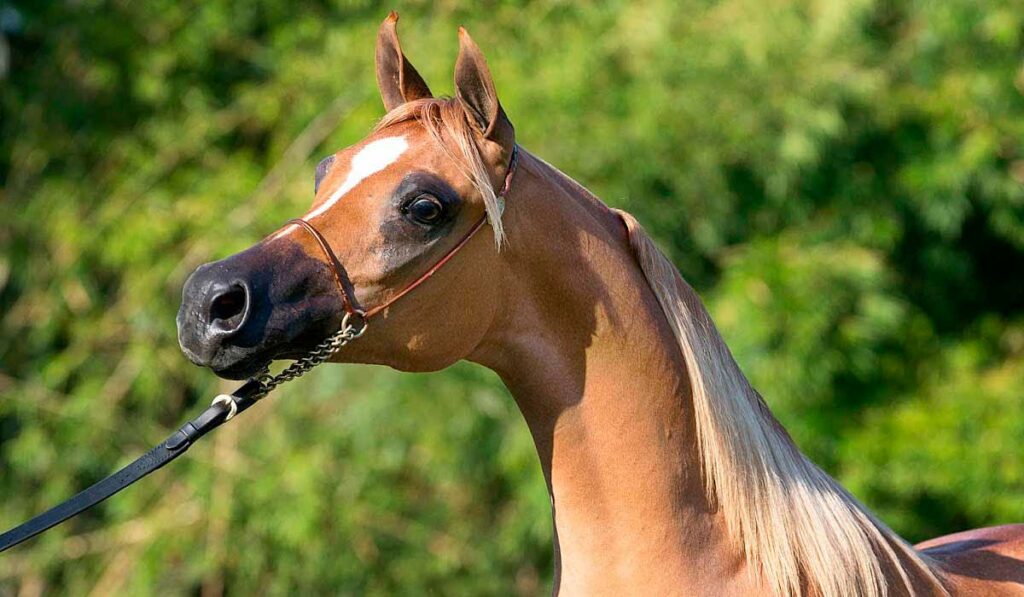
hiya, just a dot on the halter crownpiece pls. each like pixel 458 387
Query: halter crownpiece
pixel 226 406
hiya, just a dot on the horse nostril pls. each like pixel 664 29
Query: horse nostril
pixel 228 309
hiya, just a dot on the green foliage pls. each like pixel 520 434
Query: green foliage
pixel 842 180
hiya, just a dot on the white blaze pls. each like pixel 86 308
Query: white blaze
pixel 371 159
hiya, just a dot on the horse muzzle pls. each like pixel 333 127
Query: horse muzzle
pixel 267 302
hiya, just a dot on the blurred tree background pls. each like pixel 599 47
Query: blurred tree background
pixel 843 180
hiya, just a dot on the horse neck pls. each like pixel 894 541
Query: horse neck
pixel 597 362
pixel 585 349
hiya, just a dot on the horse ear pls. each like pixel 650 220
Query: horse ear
pixel 475 89
pixel 397 79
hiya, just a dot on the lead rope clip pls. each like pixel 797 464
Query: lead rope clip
pixel 229 402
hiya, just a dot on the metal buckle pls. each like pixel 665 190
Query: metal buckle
pixel 228 401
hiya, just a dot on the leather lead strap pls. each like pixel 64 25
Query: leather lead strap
pixel 172 447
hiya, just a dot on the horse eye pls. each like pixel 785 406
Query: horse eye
pixel 424 209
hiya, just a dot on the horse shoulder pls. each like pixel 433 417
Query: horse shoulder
pixel 988 561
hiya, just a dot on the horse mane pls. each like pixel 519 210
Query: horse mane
pixel 802 532
pixel 447 123
pixel 800 529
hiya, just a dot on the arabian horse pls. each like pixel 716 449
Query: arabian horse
pixel 667 473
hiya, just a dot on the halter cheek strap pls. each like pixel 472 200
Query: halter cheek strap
pixel 336 267
pixel 348 301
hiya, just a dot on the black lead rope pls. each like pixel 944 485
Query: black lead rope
pixel 223 409
pixel 172 447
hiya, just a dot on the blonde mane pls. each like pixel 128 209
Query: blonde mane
pixel 801 531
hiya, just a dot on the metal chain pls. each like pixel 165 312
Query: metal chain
pixel 349 331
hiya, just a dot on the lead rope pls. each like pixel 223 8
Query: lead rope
pixel 223 408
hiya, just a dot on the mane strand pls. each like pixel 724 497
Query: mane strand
pixel 802 532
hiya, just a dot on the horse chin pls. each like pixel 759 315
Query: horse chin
pixel 230 363
pixel 239 363
pixel 243 369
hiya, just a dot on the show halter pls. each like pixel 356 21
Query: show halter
pixel 225 406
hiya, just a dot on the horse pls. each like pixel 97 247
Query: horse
pixel 666 470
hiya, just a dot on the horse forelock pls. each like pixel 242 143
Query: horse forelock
pixel 446 122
